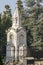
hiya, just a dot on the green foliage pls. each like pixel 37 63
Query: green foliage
pixel 0 19
pixel 7 7
pixel 5 24
pixel 1 63
pixel 21 8
pixel 0 29
pixel 41 27
pixel 30 2
pixel 34 22
pixel 38 2
pixel 19 3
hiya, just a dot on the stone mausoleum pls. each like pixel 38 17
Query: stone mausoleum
pixel 16 49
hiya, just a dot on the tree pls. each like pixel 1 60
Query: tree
pixel 41 28
pixel 30 3
pixel 38 2
pixel 0 18
pixel 1 63
pixel 21 9
pixel 5 23
pixel 0 29
pixel 6 18
pixel 34 11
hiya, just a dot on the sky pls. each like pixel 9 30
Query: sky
pixel 12 4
